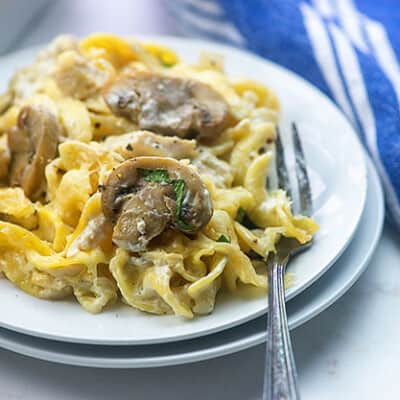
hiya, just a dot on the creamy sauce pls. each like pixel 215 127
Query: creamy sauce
pixel 91 235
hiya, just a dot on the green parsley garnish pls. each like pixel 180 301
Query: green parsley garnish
pixel 183 225
pixel 154 175
pixel 240 215
pixel 167 64
pixel 161 176
pixel 223 239
pixel 179 189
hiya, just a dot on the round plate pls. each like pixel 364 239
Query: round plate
pixel 338 179
pixel 310 303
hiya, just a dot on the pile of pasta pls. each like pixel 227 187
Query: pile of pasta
pixel 52 248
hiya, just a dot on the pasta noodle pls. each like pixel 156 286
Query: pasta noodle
pixel 62 241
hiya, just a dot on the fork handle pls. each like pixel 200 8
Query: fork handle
pixel 281 378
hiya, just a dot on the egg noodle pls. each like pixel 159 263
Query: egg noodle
pixel 54 241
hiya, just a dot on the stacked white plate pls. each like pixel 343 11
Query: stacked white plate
pixel 348 206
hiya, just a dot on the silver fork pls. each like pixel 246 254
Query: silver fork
pixel 281 377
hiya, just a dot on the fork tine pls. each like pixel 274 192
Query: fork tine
pixel 301 174
pixel 281 169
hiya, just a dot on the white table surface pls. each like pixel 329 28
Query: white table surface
pixel 350 351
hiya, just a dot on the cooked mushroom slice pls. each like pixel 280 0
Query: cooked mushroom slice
pixel 145 143
pixel 145 195
pixel 33 143
pixel 167 105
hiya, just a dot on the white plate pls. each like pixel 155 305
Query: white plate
pixel 338 176
pixel 307 305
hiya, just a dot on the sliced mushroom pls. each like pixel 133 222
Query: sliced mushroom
pixel 145 143
pixel 33 144
pixel 4 157
pixel 145 195
pixel 170 106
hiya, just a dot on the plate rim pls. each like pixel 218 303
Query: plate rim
pixel 216 351
pixel 291 293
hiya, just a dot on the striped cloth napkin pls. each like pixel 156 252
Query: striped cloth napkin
pixel 350 49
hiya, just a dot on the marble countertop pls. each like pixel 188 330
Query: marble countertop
pixel 350 351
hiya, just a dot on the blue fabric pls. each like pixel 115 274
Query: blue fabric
pixel 288 32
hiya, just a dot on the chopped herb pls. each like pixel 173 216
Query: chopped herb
pixel 167 64
pixel 223 239
pixel 244 219
pixel 162 176
pixel 155 175
pixel 179 189
pixel 183 225
pixel 166 60
pixel 240 215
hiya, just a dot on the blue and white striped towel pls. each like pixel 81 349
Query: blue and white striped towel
pixel 350 49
